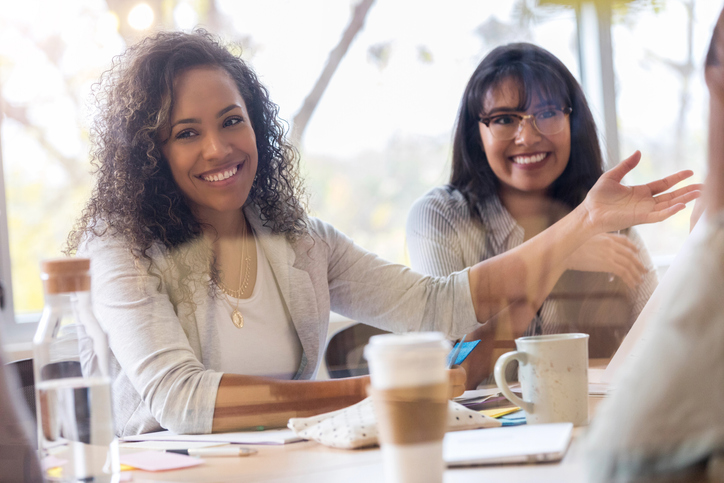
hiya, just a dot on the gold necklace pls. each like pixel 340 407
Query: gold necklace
pixel 244 261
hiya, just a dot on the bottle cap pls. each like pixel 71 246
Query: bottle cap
pixel 64 275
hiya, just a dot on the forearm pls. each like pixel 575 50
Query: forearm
pixel 248 401
pixel 524 276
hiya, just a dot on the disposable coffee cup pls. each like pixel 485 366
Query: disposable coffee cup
pixel 410 391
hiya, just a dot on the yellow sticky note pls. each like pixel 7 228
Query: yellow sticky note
pixel 56 472
pixel 498 412
pixel 127 468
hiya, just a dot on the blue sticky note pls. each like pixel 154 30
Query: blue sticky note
pixel 513 419
pixel 465 351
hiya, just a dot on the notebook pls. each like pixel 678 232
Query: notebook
pixel 534 443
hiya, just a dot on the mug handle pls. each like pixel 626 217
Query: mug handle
pixel 502 383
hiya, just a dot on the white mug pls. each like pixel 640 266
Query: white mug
pixel 553 374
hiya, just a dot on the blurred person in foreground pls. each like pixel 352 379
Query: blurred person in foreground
pixel 525 154
pixel 665 419
pixel 18 458
pixel 213 283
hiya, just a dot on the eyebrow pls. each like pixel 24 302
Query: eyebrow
pixel 193 120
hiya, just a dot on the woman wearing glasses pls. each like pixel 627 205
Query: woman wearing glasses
pixel 525 154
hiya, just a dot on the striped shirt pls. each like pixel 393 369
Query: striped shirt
pixel 443 237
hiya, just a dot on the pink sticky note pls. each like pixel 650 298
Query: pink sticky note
pixel 52 462
pixel 159 461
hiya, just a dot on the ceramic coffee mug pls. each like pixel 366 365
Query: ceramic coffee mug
pixel 553 375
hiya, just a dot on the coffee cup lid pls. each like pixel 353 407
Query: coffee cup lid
pixel 409 341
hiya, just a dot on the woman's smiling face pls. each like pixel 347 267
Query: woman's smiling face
pixel 531 161
pixel 211 145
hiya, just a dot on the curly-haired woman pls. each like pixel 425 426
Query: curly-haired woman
pixel 215 286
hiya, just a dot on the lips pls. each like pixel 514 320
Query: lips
pixel 220 175
pixel 527 159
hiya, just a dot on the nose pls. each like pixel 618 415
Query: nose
pixel 215 146
pixel 527 133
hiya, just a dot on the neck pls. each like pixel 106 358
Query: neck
pixel 525 204
pixel 226 224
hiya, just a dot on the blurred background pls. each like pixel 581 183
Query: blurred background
pixel 370 89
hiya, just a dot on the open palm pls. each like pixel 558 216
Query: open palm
pixel 613 206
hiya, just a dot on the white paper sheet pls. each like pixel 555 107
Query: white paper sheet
pixel 269 436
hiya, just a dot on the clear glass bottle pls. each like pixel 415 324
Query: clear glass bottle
pixel 72 381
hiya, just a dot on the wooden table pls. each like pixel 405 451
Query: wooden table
pixel 313 462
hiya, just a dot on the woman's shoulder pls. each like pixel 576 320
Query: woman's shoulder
pixel 442 203
pixel 105 245
pixel 324 232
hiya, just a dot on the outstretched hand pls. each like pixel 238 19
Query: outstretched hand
pixel 612 206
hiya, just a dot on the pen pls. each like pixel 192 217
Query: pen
pixel 456 352
pixel 222 451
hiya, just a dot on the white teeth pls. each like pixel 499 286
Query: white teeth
pixel 529 159
pixel 221 176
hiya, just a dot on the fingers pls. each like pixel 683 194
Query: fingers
pixel 629 256
pixel 630 273
pixel 681 191
pixel 657 216
pixel 456 391
pixel 683 198
pixel 630 278
pixel 621 169
pixel 457 376
pixel 625 261
pixel 661 185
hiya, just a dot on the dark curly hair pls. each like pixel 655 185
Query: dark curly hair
pixel 135 195
pixel 535 71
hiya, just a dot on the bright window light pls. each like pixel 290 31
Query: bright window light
pixel 185 16
pixel 140 17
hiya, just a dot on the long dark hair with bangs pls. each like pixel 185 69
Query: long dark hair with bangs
pixel 536 72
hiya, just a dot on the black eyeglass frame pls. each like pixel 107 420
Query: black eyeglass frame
pixel 565 110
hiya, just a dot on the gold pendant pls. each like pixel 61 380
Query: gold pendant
pixel 237 319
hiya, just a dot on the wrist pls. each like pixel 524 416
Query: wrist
pixel 585 221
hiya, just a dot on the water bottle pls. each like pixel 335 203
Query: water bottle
pixel 76 436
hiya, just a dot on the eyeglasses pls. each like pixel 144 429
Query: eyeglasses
pixel 505 127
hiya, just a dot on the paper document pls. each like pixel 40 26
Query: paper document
pixel 164 445
pixel 269 436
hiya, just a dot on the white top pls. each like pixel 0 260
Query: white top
pixel 267 324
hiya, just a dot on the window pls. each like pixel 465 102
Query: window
pixel 50 54
pixel 662 100
pixel 379 138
